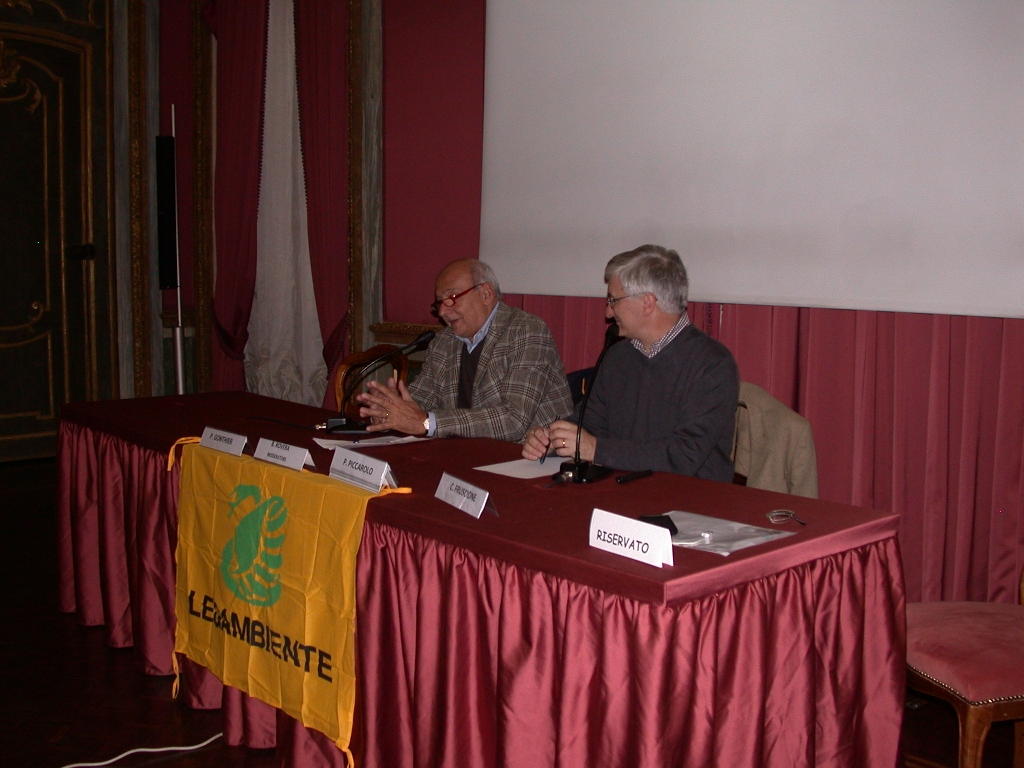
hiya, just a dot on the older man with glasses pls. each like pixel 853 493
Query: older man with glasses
pixel 665 401
pixel 494 371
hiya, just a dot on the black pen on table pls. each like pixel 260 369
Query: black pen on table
pixel 634 476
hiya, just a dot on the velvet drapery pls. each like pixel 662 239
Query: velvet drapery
pixel 321 60
pixel 240 27
pixel 322 64
pixel 919 414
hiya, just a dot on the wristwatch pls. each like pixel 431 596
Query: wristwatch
pixel 426 426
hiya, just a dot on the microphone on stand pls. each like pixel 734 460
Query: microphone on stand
pixel 578 471
pixel 343 424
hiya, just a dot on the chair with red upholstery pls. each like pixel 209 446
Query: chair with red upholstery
pixel 971 655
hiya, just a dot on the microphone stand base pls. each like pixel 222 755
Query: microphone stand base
pixel 343 426
pixel 583 472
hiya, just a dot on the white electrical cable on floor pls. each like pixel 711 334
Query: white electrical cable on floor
pixel 145 749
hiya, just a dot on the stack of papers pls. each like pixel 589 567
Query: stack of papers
pixel 712 534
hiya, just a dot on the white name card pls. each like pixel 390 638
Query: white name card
pixel 219 440
pixel 631 538
pixel 462 495
pixel 361 470
pixel 290 456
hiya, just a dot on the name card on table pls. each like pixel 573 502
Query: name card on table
pixel 290 456
pixel 361 470
pixel 631 538
pixel 219 440
pixel 462 495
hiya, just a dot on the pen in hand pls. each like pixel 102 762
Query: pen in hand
pixel 541 460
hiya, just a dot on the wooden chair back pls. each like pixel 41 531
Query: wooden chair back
pixel 351 372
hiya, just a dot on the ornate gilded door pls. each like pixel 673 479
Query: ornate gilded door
pixel 56 319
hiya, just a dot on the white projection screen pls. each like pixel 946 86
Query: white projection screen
pixel 813 152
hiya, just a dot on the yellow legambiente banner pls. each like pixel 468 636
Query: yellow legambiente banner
pixel 266 583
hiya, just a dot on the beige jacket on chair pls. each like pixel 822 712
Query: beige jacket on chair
pixel 774 447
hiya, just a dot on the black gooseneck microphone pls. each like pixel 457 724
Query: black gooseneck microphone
pixel 343 424
pixel 577 471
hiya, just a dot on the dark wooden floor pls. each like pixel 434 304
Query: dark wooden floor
pixel 67 697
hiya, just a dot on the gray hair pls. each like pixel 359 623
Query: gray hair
pixel 481 272
pixel 652 269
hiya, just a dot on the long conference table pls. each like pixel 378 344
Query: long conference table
pixel 507 640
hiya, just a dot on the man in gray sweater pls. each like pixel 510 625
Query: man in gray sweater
pixel 665 401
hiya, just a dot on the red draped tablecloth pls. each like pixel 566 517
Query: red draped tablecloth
pixel 508 641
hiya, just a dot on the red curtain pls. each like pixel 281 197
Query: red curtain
pixel 576 322
pixel 321 51
pixel 919 414
pixel 240 27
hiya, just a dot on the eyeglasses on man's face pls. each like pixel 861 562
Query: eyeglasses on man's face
pixel 613 300
pixel 449 301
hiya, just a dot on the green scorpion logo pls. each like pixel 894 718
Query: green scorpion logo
pixel 252 559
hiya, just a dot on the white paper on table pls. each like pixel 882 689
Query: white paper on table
pixel 367 442
pixel 524 469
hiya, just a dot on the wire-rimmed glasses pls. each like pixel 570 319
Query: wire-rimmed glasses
pixel 613 300
pixel 779 516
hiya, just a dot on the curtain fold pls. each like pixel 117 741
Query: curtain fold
pixel 240 29
pixel 321 31
pixel 577 324
pixel 116 541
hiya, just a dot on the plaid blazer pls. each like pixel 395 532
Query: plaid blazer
pixel 520 382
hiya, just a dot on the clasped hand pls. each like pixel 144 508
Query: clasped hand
pixel 558 438
pixel 391 407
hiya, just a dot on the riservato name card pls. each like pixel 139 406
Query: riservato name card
pixel 631 538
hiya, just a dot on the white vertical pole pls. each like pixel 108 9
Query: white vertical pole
pixel 179 331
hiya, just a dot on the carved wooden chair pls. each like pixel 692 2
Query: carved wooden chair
pixel 358 367
pixel 971 655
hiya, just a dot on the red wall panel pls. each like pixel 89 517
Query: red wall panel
pixel 433 145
